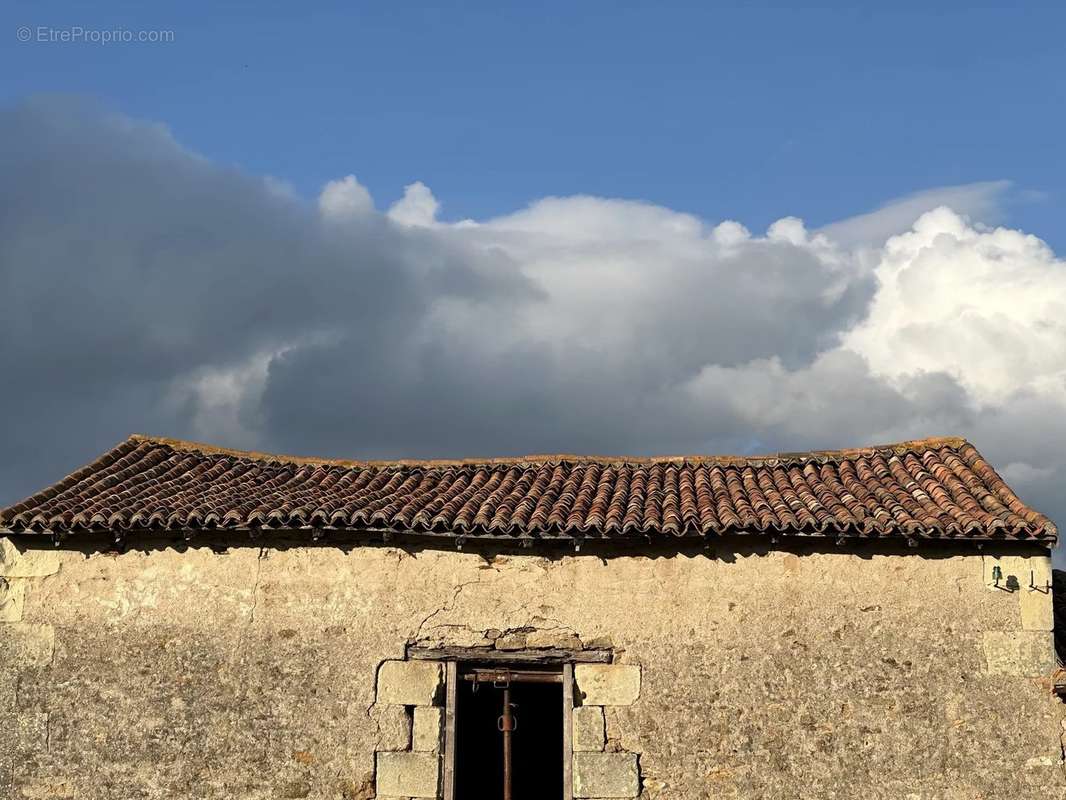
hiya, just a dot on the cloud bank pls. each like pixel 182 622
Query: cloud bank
pixel 148 289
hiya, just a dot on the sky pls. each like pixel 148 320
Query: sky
pixel 388 230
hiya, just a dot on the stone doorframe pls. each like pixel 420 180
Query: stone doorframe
pixel 425 688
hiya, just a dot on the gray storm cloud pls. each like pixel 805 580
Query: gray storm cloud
pixel 148 289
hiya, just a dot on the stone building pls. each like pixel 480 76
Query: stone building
pixel 181 621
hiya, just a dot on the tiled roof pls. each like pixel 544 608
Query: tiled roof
pixel 927 488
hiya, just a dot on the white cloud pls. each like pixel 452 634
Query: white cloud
pixel 788 229
pixel 986 306
pixel 224 309
pixel 983 201
pixel 418 207
pixel 345 197
pixel 585 218
pixel 218 399
pixel 645 288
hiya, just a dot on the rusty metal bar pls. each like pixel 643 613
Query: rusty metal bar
pixel 507 726
pixel 490 675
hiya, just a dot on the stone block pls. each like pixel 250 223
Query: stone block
pixel 553 639
pixel 516 640
pixel 1023 653
pixel 407 774
pixel 606 775
pixel 1037 611
pixel 23 733
pixel 24 645
pixel 608 684
pixel 589 728
pixel 1023 569
pixel 12 599
pixel 18 562
pixel 1028 578
pixel 9 679
pixel 428 721
pixel 394 726
pixel 46 789
pixel 410 683
pixel 599 643
pixel 453 636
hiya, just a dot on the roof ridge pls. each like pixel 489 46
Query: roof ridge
pixel 907 446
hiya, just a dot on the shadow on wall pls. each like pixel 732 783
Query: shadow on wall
pixel 1058 583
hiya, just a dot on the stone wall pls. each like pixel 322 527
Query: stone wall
pixel 246 672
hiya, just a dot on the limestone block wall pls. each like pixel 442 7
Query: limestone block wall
pixel 413 688
pixel 232 671
pixel 598 772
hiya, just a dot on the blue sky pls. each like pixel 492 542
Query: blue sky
pixel 749 113
pixel 184 251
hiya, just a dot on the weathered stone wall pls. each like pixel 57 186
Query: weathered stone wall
pixel 253 673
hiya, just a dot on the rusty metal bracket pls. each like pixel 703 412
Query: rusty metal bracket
pixel 1045 589
pixel 503 723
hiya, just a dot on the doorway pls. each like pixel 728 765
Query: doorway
pixel 509 733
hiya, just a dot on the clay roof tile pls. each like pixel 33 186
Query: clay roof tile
pixel 928 488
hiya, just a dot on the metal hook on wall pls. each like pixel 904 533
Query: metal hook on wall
pixel 1032 584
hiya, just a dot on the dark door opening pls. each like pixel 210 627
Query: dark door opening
pixel 536 740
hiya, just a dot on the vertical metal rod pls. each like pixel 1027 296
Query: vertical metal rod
pixel 507 726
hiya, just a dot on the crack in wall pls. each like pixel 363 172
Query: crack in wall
pixel 1062 747
pixel 533 616
pixel 534 621
pixel 373 703
pixel 243 630
pixel 255 588
pixel 449 606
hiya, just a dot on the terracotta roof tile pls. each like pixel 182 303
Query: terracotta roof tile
pixel 926 488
